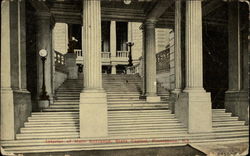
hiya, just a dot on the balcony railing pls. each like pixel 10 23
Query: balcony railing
pixel 78 52
pixel 106 55
pixel 122 54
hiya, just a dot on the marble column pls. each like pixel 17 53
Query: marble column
pixel 177 47
pixel 14 95
pixel 113 45
pixel 177 57
pixel 150 60
pixel 236 97
pixel 44 41
pixel 193 107
pixel 234 82
pixel 143 62
pixel 93 98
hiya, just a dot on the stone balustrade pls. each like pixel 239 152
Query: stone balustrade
pixel 59 61
pixel 162 61
pixel 121 56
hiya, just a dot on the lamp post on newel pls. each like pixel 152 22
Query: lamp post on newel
pixel 130 61
pixel 44 98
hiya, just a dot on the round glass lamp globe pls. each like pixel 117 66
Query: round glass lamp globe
pixel 127 1
pixel 43 53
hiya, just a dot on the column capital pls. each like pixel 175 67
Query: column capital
pixel 150 23
pixel 43 15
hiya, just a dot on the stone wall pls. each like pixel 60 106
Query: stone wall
pixel 162 39
pixel 137 39
pixel 60 37
pixel 59 78
pixel 22 109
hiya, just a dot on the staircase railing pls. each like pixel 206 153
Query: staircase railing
pixel 137 68
pixel 162 61
pixel 59 62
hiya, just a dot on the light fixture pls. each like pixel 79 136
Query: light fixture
pixel 43 53
pixel 127 2
pixel 44 98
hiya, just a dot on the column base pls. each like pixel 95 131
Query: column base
pixel 93 113
pixel 7 114
pixel 72 72
pixel 194 110
pixel 237 103
pixel 153 98
pixel 113 69
pixel 43 104
pixel 174 95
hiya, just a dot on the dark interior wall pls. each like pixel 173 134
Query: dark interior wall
pixel 121 35
pixel 105 36
pixel 77 33
pixel 215 57
pixel 31 54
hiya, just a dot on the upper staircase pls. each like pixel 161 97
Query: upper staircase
pixel 132 121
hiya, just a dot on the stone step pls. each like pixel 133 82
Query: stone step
pixel 137 102
pixel 64 106
pixel 32 119
pixel 68 97
pixel 49 136
pixel 229 123
pixel 49 130
pixel 60 109
pixel 144 125
pixel 132 118
pixel 137 108
pixel 26 125
pixel 139 112
pixel 127 116
pixel 224 119
pixel 139 121
pixel 231 128
pixel 66 102
pixel 35 122
pixel 130 100
pixel 145 132
pixel 219 110
pixel 221 114
pixel 54 113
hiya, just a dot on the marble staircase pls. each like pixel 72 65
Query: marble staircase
pixel 132 122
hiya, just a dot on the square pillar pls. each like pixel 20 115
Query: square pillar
pixel 177 57
pixel 193 106
pixel 236 97
pixel 70 62
pixel 14 95
pixel 93 98
pixel 150 61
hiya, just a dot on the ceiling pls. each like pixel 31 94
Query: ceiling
pixel 70 11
